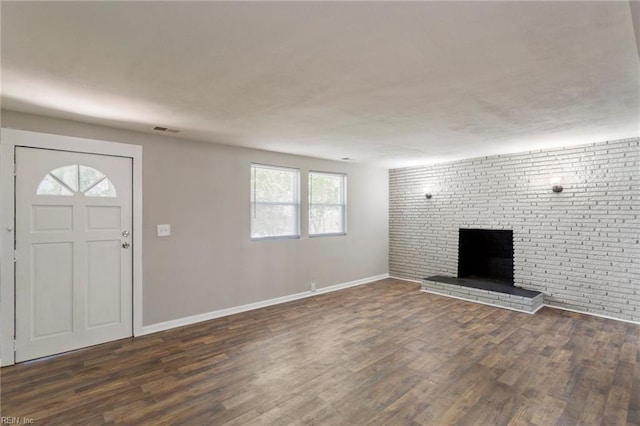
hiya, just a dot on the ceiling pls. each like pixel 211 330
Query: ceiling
pixel 385 83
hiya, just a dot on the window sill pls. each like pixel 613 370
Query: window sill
pixel 335 234
pixel 283 237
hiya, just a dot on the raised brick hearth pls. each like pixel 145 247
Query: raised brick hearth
pixel 488 292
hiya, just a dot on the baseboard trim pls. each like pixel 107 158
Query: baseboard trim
pixel 181 322
pixel 405 279
pixel 591 314
pixel 483 303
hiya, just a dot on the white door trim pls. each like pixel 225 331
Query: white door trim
pixel 9 140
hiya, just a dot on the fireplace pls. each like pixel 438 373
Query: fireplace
pixel 486 254
pixel 485 273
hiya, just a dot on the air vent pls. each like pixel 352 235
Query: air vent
pixel 166 129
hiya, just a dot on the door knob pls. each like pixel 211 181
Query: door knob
pixel 126 245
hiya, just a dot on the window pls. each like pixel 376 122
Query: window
pixel 275 202
pixel 68 180
pixel 327 203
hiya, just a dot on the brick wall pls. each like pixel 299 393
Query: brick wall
pixel 580 247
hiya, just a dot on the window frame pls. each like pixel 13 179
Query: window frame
pixel 342 205
pixel 253 203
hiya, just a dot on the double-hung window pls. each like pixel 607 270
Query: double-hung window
pixel 275 202
pixel 327 203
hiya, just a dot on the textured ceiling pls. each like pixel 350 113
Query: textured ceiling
pixel 390 84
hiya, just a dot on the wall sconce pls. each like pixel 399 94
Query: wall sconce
pixel 556 182
pixel 426 190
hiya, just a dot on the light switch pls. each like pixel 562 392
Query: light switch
pixel 164 230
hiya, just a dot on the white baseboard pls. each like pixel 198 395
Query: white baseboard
pixel 167 325
pixel 405 279
pixel 591 314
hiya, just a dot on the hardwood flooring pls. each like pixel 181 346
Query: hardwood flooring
pixel 382 353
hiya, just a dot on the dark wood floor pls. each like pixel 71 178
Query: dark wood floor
pixel 382 353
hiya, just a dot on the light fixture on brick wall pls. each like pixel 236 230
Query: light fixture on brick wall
pixel 557 184
pixel 426 190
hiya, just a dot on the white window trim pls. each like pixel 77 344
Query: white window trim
pixel 296 204
pixel 343 205
pixel 10 139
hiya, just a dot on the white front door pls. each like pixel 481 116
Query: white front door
pixel 73 250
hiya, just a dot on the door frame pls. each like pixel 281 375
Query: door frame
pixel 9 140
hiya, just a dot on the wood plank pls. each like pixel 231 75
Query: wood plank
pixel 383 353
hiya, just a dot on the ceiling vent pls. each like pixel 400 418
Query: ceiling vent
pixel 165 129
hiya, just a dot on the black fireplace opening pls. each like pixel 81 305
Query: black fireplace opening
pixel 486 254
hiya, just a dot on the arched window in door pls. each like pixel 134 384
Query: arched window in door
pixel 72 179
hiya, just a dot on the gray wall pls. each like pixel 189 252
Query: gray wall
pixel 581 247
pixel 209 262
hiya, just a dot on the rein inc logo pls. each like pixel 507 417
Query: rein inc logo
pixel 16 420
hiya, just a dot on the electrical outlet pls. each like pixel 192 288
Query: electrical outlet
pixel 313 286
pixel 164 230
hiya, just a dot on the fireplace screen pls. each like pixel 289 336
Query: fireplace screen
pixel 486 254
